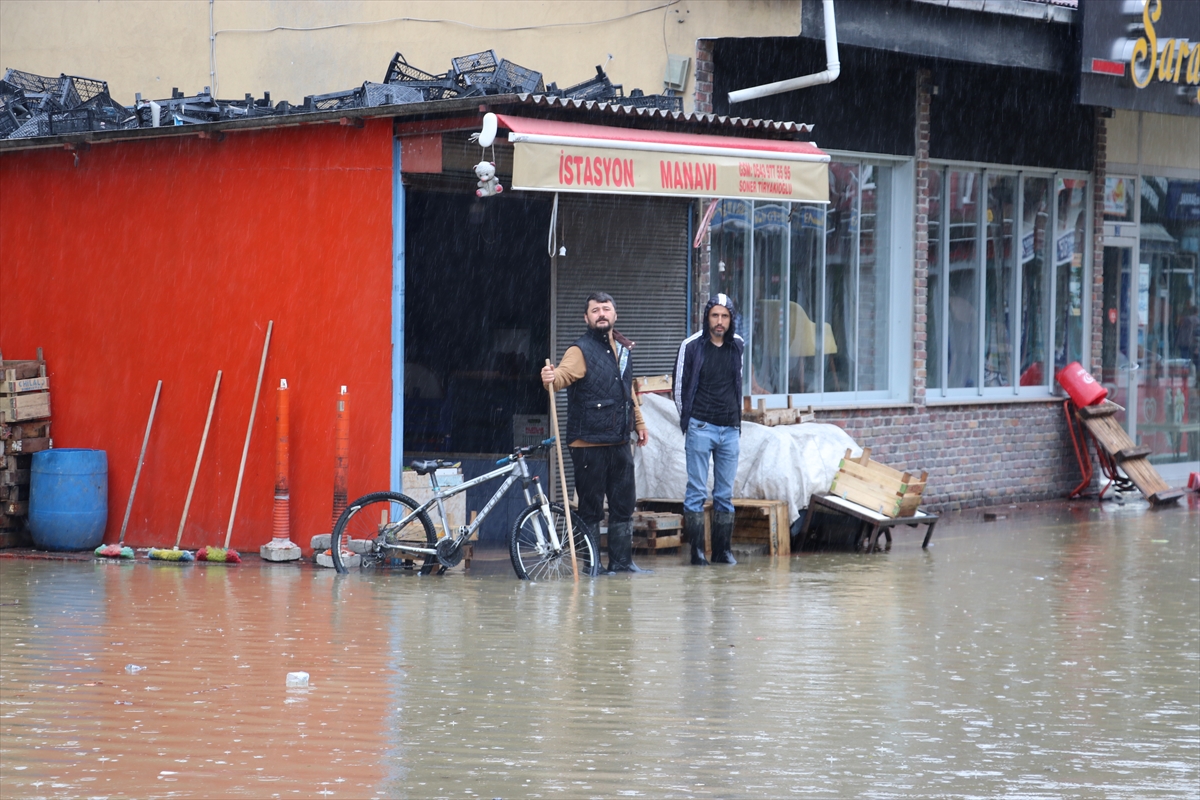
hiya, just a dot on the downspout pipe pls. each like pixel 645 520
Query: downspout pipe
pixel 833 67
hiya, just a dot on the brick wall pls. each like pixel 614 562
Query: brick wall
pixel 704 76
pixel 974 454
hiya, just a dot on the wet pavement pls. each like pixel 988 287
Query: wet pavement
pixel 1054 652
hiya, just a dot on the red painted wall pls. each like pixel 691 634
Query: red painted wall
pixel 165 259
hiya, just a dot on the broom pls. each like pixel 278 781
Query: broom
pixel 562 474
pixel 224 553
pixel 176 554
pixel 118 550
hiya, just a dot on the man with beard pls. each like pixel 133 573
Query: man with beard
pixel 601 414
pixel 708 393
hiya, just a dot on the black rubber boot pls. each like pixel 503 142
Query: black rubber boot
pixel 722 537
pixel 620 548
pixel 693 529
pixel 598 567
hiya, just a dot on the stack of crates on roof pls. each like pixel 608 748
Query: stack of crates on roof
pixel 24 430
pixel 876 486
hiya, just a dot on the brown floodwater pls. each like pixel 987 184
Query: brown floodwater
pixel 1055 653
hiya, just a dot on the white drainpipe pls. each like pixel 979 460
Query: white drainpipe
pixel 832 69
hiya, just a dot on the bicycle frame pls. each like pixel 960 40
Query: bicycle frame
pixel 518 470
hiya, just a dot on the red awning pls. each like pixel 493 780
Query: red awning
pixel 664 141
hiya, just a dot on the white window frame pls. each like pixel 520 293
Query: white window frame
pixel 941 395
pixel 900 299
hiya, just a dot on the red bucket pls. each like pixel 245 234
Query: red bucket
pixel 1080 385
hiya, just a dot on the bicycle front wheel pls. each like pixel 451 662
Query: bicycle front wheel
pixel 373 517
pixel 533 554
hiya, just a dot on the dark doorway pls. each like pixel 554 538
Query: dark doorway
pixel 477 318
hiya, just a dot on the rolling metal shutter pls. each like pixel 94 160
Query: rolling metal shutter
pixel 636 249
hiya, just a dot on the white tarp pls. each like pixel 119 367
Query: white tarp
pixel 786 462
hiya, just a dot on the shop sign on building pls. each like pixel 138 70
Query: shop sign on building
pixel 573 157
pixel 609 171
pixel 1141 56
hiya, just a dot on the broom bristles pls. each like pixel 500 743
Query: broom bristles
pixel 218 554
pixel 114 551
pixel 171 555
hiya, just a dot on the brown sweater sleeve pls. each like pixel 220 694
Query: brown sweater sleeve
pixel 570 369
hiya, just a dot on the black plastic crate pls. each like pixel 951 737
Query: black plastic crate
pixel 512 77
pixel 475 68
pixel 663 101
pixel 390 94
pixel 400 71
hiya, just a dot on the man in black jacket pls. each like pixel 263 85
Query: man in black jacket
pixel 708 394
pixel 601 414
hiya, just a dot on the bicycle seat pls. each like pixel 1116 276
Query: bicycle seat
pixel 426 467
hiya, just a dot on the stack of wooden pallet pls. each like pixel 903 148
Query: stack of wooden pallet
pixel 657 530
pixel 24 430
pixel 771 417
pixel 876 486
pixel 761 524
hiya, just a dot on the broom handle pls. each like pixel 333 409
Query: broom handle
pixel 199 457
pixel 141 460
pixel 246 447
pixel 562 475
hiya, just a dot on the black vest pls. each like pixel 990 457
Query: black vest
pixel 599 408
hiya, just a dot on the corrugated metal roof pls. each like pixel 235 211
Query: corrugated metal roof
pixel 599 112
pixel 615 110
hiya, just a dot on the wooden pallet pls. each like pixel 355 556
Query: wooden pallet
pixel 24 430
pixel 877 486
pixel 771 417
pixel 1102 424
pixel 764 523
pixel 657 530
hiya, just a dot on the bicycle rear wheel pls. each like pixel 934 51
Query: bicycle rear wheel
pixel 532 556
pixel 372 515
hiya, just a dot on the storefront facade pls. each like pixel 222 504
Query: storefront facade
pixel 1143 64
pixel 957 265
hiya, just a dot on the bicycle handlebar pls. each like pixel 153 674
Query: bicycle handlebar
pixel 524 451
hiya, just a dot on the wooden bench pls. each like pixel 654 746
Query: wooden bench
pixel 872 523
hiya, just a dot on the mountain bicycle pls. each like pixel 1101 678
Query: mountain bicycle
pixel 400 532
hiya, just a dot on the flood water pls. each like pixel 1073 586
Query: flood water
pixel 1052 654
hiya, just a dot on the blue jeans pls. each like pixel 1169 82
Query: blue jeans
pixel 702 442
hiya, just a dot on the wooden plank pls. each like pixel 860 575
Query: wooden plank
pixel 1132 452
pixel 864 494
pixel 653 383
pixel 14 477
pixel 657 543
pixel 22 370
pixel 30 400
pixel 24 385
pixel 844 481
pixel 24 430
pixel 39 411
pixel 873 476
pixel 1105 409
pixel 12 446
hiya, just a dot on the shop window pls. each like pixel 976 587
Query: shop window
pixel 1166 323
pixel 813 286
pixel 1000 320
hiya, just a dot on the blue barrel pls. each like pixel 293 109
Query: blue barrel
pixel 68 499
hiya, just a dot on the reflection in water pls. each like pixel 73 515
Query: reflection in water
pixel 1056 656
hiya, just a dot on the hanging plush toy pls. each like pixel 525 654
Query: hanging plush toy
pixel 489 184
